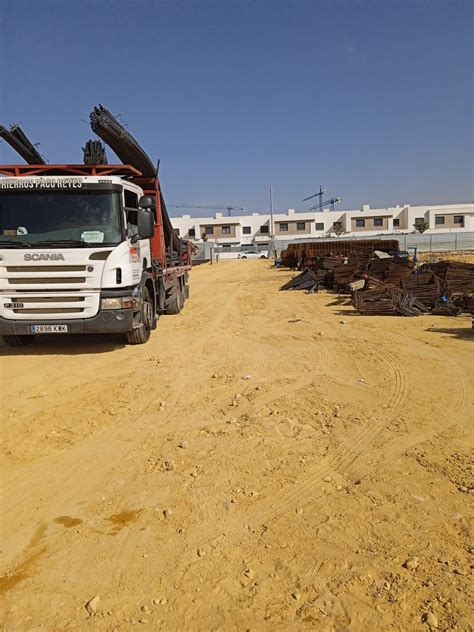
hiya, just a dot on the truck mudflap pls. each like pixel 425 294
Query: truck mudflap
pixel 116 321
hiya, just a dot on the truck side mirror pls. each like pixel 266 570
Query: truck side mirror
pixel 146 224
pixel 146 201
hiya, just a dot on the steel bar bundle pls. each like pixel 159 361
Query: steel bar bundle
pixel 18 140
pixel 106 126
pixel 94 153
pixel 424 286
pixel 307 280
pixel 300 251
pixel 381 299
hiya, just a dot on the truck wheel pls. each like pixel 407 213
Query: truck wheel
pixel 175 304
pixel 140 335
pixel 19 341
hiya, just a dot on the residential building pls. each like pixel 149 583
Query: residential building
pixel 256 229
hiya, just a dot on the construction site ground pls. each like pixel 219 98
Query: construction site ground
pixel 268 461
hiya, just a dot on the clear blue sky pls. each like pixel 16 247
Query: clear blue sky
pixel 371 99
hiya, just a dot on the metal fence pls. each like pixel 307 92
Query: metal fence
pixel 437 242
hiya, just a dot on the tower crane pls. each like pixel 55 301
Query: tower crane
pixel 332 201
pixel 216 207
pixel 321 192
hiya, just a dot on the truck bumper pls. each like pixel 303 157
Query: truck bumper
pixel 110 321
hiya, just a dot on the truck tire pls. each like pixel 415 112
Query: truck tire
pixel 175 304
pixel 19 341
pixel 140 335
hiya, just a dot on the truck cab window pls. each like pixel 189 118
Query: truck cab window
pixel 131 210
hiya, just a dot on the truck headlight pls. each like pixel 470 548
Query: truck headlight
pixel 119 302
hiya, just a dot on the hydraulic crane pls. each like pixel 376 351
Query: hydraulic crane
pixel 216 207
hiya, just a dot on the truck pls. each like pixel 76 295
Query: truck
pixel 87 248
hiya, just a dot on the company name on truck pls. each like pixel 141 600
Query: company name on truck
pixel 41 183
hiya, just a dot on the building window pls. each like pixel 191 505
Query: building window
pixel 459 219
pixel 319 226
pixel 264 229
pixel 360 223
pixel 378 221
pixel 247 230
pixel 209 230
pixel 227 246
pixel 176 231
pixel 192 232
pixel 283 227
pixel 396 223
pixel 439 219
pixel 300 226
pixel 419 220
pixel 226 230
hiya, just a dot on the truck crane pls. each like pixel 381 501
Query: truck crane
pixel 216 207
pixel 87 248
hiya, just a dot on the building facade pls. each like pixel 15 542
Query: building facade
pixel 257 228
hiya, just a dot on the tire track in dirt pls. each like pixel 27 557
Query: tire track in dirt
pixel 397 447
pixel 310 485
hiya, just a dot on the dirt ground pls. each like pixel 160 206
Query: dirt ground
pixel 268 461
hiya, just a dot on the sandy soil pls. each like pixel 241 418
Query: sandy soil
pixel 188 497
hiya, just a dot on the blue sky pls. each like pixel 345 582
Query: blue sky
pixel 371 99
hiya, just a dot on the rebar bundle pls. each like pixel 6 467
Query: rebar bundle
pixel 18 140
pixel 106 126
pixel 94 153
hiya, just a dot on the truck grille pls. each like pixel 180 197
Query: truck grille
pixel 42 280
pixel 54 306
pixel 28 269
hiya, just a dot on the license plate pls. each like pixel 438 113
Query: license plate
pixel 49 329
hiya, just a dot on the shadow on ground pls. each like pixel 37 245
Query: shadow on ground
pixel 464 333
pixel 66 345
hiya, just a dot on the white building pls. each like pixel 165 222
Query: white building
pixel 256 229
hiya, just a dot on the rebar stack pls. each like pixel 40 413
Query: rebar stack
pixel 391 285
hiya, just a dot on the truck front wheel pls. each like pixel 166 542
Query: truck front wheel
pixel 19 341
pixel 140 335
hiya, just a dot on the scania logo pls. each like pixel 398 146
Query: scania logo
pixel 41 256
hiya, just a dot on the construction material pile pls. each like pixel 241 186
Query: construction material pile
pixel 382 282
pixel 381 298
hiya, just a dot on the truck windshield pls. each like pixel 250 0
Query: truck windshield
pixel 29 219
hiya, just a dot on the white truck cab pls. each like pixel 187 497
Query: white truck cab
pixel 71 256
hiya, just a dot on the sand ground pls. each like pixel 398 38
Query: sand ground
pixel 188 497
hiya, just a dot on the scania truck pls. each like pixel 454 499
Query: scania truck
pixel 87 249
